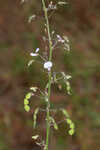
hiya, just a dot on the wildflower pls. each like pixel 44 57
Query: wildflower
pixel 33 54
pixel 48 65
pixel 51 6
pixel 36 52
pixel 60 39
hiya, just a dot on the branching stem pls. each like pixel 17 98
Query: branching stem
pixel 49 74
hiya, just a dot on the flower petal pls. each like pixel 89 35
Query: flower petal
pixel 48 65
pixel 33 54
pixel 37 50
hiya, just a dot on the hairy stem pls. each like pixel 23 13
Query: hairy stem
pixel 49 74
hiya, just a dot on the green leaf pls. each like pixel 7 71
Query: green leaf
pixel 55 126
pixel 30 62
pixel 68 88
pixel 27 108
pixel 64 111
pixel 71 132
pixel 46 97
pixel 26 101
pixel 69 121
pixel 54 123
pixel 47 85
pixel 35 116
pixel 72 126
pixel 28 95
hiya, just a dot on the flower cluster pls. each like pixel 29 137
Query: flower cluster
pixel 47 64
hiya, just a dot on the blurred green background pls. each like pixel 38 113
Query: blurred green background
pixel 80 21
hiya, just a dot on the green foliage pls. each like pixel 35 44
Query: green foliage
pixel 54 123
pixel 69 122
pixel 28 96
pixel 71 131
pixel 27 108
pixel 26 102
pixel 35 117
pixel 65 113
pixel 68 87
pixel 52 78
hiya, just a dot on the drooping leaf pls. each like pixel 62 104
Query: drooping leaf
pixel 30 62
pixel 35 116
pixel 72 126
pixel 27 108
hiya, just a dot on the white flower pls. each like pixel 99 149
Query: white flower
pixel 51 6
pixel 33 54
pixel 37 50
pixel 48 65
pixel 60 39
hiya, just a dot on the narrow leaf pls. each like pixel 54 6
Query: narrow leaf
pixel 64 111
pixel 54 123
pixel 30 62
pixel 35 116
pixel 69 121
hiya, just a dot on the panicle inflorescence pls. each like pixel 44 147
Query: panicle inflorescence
pixel 52 41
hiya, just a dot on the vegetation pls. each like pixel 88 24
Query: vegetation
pixel 79 20
pixel 54 41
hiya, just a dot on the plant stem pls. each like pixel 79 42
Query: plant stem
pixel 49 74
